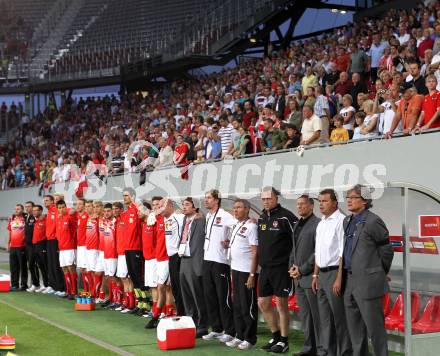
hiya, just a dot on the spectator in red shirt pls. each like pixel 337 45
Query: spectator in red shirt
pixel 429 116
pixel 426 43
pixel 343 85
pixel 39 244
pixel 16 247
pixel 66 235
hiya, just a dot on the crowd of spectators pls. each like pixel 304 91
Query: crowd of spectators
pixel 374 78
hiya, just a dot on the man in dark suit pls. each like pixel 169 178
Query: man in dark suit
pixel 302 263
pixel 367 260
pixel 191 253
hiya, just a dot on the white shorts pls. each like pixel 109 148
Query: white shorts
pixel 110 265
pixel 122 270
pixel 92 259
pixel 163 272
pixel 99 267
pixel 151 273
pixel 81 257
pixel 67 258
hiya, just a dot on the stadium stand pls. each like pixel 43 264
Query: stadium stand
pixel 267 96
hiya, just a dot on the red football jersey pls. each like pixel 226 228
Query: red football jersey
pixel 148 241
pixel 16 227
pixel 82 228
pixel 51 222
pixel 39 233
pixel 101 228
pixel 92 238
pixel 119 230
pixel 109 239
pixel 132 229
pixel 66 232
pixel 161 247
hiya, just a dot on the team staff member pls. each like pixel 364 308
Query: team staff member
pixel 39 243
pixel 66 235
pixel 30 253
pixel 110 255
pixel 81 249
pixel 275 229
pixel 191 266
pixel 16 247
pixel 133 246
pixel 243 254
pixel 328 267
pixel 54 272
pixel 368 256
pixel 302 264
pixel 216 269
pixel 157 219
pixel 173 235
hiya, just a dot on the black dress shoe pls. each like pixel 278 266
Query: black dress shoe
pixel 152 324
pixel 14 289
pixel 23 288
pixel 71 297
pixel 201 332
pixel 105 304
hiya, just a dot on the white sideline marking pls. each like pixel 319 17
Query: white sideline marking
pixel 91 339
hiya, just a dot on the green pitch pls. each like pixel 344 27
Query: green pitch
pixel 37 337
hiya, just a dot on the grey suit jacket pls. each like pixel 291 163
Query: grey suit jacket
pixel 303 252
pixel 372 256
pixel 196 243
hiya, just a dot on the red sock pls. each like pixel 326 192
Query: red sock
pixel 120 294
pixel 97 284
pixel 74 286
pixel 101 294
pixel 131 302
pixel 169 309
pixel 110 291
pixel 90 283
pixel 68 282
pixel 84 281
pixel 153 309
pixel 125 300
pixel 157 312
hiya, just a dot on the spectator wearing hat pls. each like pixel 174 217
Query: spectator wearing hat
pixel 367 259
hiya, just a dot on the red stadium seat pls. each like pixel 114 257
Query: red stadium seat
pixel 395 320
pixel 430 319
pixel 292 303
pixel 386 302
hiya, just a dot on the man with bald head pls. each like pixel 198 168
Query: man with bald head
pixel 343 85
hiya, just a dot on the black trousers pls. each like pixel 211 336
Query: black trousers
pixel 18 267
pixel 32 265
pixel 174 266
pixel 54 273
pixel 40 251
pixel 217 288
pixel 135 263
pixel 245 307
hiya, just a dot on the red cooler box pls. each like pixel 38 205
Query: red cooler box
pixel 178 332
pixel 5 283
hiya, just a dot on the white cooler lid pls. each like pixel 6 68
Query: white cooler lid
pixel 5 277
pixel 173 323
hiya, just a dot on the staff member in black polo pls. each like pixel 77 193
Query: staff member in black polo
pixel 275 230
pixel 29 221
pixel 368 256
pixel 302 262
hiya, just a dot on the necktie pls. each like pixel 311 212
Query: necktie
pixel 186 231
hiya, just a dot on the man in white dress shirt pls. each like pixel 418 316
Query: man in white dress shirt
pixel 216 269
pixel 329 248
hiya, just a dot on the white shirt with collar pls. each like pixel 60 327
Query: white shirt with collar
pixel 217 229
pixel 330 240
pixel 173 232
pixel 244 235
